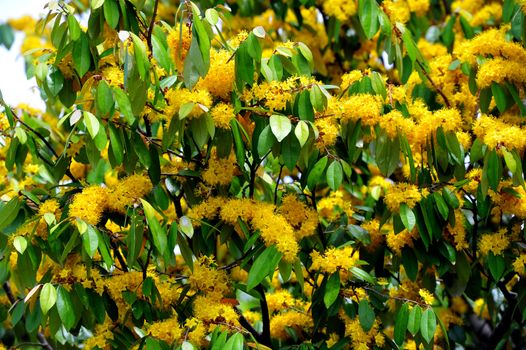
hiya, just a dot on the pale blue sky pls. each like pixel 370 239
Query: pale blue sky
pixel 13 83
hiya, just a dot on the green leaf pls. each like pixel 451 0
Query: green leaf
pixel 280 126
pixel 500 97
pixel 264 265
pixel 134 238
pixel 54 81
pixel 20 244
pixel 81 55
pixel 368 14
pixel 402 319
pixel 410 262
pixel 124 104
pixel 90 241
pixel 450 198
pixel 111 13
pixel 65 308
pixel 334 175
pixel 160 240
pixel 95 4
pixel 235 342
pixel 361 274
pixel 186 227
pixel 48 297
pixel 318 98
pixel 497 265
pixel 493 169
pixel 366 315
pixel 428 324
pixel 266 141
pixel 74 28
pixel 141 56
pixel 92 123
pixel 387 153
pixel 441 205
pixel 116 146
pixel 316 174
pixel 302 132
pixel 104 98
pixel 413 324
pixel 8 212
pixel 332 289
pixel 407 216
pixel 244 66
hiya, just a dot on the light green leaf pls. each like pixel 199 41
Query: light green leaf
pixel 95 4
pixel 334 175
pixel 65 308
pixel 428 324
pixel 407 216
pixel 212 16
pixel 160 239
pixel 302 132
pixel 48 297
pixel 413 324
pixel 92 123
pixel 366 315
pixel 186 227
pixel 280 126
pixel 90 241
pixel 20 244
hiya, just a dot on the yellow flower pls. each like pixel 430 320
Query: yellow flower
pixel 89 204
pixel 480 308
pixel 222 114
pixel 168 330
pixel 304 220
pixel 209 280
pixel 219 80
pixel 403 193
pixel 220 171
pixel 334 259
pixel 494 242
pixel 128 191
pixel 343 10
pixel 49 206
pixel 427 297
pixel 179 44
pixel 299 321
pixel 519 264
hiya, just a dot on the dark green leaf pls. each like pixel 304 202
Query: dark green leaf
pixel 264 265
pixel 65 308
pixel 332 289
pixel 334 175
pixel 402 319
pixel 81 55
pixel 366 315
pixel 413 324
pixel 407 216
pixel 428 324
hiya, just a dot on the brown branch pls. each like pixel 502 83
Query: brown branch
pixel 440 92
pixel 150 29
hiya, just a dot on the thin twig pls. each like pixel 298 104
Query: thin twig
pixel 152 23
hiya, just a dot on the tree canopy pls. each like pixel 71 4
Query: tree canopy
pixel 240 174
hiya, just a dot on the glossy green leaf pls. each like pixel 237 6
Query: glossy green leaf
pixel 264 265
pixel 280 126
pixel 428 324
pixel 48 297
pixel 366 315
pixel 400 326
pixel 407 216
pixel 81 55
pixel 332 289
pixel 160 240
pixel 368 14
pixel 65 308
pixel 334 175
pixel 413 324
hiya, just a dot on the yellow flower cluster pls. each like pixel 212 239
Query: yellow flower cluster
pixel 419 7
pixel 177 97
pixel 220 171
pixel 496 133
pixel 89 204
pixel 299 321
pixel 403 193
pixel 500 70
pixel 276 94
pixel 361 339
pixel 458 231
pixel 343 10
pixel 334 259
pixel 397 241
pixel 480 308
pixel 167 330
pixel 375 234
pixel 492 11
pixel 128 191
pixel 426 296
pixel 510 203
pixel 24 23
pixel 273 227
pixel 304 220
pixel 349 78
pixel 113 75
pixel 220 78
pixel 49 206
pixel 222 114
pixel 332 206
pixel 496 242
pixel 101 336
pixel 209 280
pixel 397 10
pixel 179 44
pixel 210 310
pixel 394 124
pixel 519 264
pixel 362 107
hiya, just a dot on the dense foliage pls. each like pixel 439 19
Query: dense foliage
pixel 301 174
